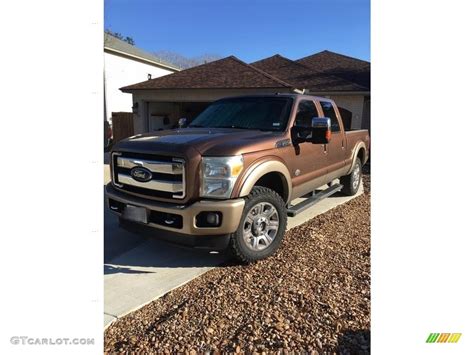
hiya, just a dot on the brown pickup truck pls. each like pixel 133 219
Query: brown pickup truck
pixel 227 179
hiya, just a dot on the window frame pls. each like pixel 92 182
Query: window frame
pixel 336 113
pixel 315 104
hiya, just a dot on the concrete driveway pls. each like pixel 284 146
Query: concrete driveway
pixel 138 270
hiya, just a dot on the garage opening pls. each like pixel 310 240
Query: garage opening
pixel 165 115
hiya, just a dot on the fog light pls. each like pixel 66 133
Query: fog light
pixel 209 219
pixel 212 218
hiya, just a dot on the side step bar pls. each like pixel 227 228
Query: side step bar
pixel 310 201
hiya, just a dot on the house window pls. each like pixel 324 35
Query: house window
pixel 329 112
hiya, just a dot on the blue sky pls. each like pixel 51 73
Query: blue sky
pixel 250 30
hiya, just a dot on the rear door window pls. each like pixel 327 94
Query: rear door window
pixel 329 112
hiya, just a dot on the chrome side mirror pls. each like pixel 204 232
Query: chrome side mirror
pixel 318 133
pixel 320 130
pixel 182 122
pixel 321 122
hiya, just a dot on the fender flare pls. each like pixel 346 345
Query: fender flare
pixel 355 152
pixel 259 169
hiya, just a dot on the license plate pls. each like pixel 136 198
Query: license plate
pixel 135 214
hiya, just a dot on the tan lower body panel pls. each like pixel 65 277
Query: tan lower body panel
pixel 231 212
pixel 338 173
pixel 309 186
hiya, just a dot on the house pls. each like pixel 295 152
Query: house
pixel 348 68
pixel 349 95
pixel 125 64
pixel 160 102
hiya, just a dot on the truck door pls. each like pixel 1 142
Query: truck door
pixel 336 149
pixel 306 161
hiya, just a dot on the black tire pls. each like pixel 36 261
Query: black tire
pixel 351 182
pixel 238 246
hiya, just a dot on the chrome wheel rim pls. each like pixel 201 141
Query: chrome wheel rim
pixel 261 226
pixel 356 176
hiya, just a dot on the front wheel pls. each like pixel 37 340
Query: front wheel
pixel 262 226
pixel 352 181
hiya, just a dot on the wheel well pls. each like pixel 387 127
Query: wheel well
pixel 361 155
pixel 276 182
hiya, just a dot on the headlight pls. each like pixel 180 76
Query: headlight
pixel 219 175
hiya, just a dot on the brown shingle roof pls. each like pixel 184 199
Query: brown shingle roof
pixel 228 73
pixel 303 77
pixel 349 68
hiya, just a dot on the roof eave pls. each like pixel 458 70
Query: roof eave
pixel 130 90
pixel 155 63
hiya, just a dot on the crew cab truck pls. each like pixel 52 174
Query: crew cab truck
pixel 228 178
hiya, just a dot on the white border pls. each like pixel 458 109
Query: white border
pixel 51 90
pixel 422 143
pixel 52 174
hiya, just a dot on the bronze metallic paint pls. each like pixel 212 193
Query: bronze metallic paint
pixel 303 166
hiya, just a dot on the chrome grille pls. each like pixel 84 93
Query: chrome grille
pixel 168 175
pixel 154 166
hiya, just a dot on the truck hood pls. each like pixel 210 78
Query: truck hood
pixel 206 141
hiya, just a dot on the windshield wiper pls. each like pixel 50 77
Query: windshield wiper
pixel 233 126
pixel 251 128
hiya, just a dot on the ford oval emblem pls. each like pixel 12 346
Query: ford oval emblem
pixel 141 174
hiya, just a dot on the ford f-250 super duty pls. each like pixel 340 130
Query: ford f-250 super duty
pixel 228 178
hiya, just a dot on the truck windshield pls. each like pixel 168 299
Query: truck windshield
pixel 259 113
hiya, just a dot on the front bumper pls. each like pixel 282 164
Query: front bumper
pixel 230 210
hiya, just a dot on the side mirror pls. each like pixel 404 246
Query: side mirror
pixel 318 133
pixel 182 122
pixel 321 130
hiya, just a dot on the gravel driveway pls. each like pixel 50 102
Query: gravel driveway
pixel 313 295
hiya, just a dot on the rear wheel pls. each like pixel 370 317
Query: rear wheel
pixel 352 181
pixel 262 226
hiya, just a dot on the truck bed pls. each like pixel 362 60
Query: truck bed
pixel 357 135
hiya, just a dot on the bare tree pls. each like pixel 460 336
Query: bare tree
pixel 118 35
pixel 184 62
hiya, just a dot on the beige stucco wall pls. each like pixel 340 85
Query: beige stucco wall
pixel 196 95
pixel 353 103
